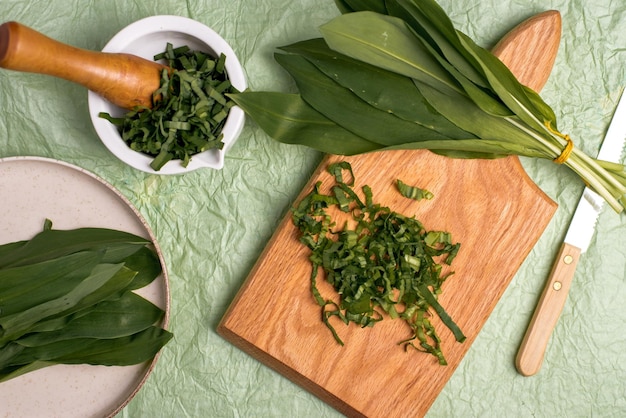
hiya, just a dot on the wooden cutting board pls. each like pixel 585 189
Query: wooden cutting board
pixel 490 206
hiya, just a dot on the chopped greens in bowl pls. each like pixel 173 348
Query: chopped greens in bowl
pixel 192 125
pixel 189 109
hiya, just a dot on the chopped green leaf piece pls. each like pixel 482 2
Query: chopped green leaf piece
pixel 413 192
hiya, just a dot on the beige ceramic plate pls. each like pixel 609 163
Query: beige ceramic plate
pixel 31 190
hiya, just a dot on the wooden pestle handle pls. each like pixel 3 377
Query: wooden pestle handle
pixel 125 80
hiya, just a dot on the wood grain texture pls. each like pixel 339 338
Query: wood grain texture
pixel 533 347
pixel 125 80
pixel 538 30
pixel 490 206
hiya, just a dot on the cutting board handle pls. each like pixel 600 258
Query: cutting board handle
pixel 542 29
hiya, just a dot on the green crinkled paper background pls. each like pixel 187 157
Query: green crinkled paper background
pixel 213 225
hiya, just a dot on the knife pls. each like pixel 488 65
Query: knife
pixel 577 240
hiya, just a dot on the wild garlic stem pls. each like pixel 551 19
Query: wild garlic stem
pixel 593 181
pixel 591 172
pixel 611 180
pixel 548 147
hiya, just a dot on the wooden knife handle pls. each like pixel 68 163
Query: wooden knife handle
pixel 124 79
pixel 547 312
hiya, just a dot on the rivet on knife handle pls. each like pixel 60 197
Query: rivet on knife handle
pixel 531 352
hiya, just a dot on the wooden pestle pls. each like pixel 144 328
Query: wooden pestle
pixel 125 80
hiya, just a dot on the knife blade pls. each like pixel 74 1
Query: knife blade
pixel 576 242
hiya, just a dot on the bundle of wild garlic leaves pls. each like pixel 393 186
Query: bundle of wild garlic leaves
pixel 66 297
pixel 396 74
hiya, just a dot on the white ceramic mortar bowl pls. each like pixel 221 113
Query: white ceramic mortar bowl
pixel 146 38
